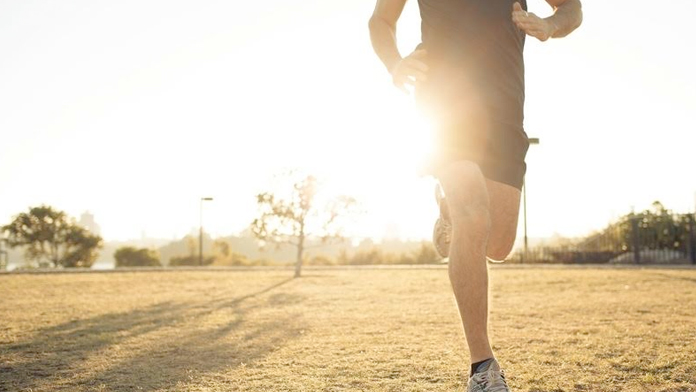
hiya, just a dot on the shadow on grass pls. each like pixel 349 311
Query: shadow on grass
pixel 155 347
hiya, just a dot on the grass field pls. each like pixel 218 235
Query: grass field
pixel 554 329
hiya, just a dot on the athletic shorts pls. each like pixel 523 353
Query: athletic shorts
pixel 475 121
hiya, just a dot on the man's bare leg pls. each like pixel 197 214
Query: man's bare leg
pixel 467 197
pixel 483 214
pixel 504 210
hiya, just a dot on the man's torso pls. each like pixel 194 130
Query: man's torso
pixel 474 45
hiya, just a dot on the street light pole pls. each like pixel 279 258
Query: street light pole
pixel 200 231
pixel 524 208
pixel 532 140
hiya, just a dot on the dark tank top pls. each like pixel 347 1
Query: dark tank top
pixel 474 45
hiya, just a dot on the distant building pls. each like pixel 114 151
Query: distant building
pixel 87 221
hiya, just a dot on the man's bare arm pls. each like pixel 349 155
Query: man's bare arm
pixel 383 31
pixel 383 36
pixel 567 17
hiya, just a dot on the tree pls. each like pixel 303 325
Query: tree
pixel 660 228
pixel 3 253
pixel 128 256
pixel 294 219
pixel 51 238
pixel 656 228
pixel 222 249
pixel 223 254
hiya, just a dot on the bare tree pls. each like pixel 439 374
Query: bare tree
pixel 302 215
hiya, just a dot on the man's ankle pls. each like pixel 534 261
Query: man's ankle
pixel 479 365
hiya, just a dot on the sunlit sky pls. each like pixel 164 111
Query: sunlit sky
pixel 133 110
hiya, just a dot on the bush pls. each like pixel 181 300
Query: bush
pixel 372 256
pixel 266 263
pixel 321 260
pixel 232 259
pixel 426 254
pixel 129 256
pixel 180 261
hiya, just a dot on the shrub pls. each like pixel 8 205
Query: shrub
pixel 129 256
pixel 180 261
pixel 321 260
pixel 232 259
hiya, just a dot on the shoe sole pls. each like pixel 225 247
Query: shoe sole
pixel 442 225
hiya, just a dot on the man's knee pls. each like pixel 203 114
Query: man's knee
pixel 499 251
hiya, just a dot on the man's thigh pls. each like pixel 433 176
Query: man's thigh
pixel 504 212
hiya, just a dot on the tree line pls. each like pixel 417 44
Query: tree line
pixel 296 215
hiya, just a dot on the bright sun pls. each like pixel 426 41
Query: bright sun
pixel 381 164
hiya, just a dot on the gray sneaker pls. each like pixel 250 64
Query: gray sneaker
pixel 488 378
pixel 442 232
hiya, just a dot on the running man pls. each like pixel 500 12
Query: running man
pixel 468 75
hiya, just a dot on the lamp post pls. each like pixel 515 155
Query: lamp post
pixel 200 231
pixel 532 140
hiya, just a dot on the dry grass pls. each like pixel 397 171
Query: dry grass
pixel 343 330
